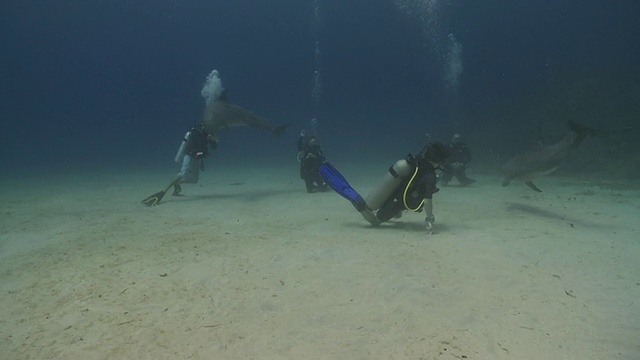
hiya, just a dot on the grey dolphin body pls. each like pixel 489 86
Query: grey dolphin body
pixel 223 114
pixel 544 159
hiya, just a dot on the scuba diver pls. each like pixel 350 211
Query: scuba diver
pixel 192 152
pixel 310 157
pixel 457 163
pixel 408 185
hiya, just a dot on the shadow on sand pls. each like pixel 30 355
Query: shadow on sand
pixel 548 214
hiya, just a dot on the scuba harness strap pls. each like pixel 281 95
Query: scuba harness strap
pixel 407 190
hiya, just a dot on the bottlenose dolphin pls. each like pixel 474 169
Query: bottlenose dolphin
pixel 545 159
pixel 220 114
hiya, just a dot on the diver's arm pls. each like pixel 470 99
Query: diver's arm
pixel 428 212
pixel 428 208
pixel 467 155
pixel 301 140
pixel 213 144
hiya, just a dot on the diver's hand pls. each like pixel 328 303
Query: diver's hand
pixel 429 221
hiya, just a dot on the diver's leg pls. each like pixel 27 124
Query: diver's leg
pixel 309 184
pixel 389 209
pixel 177 189
pixel 189 173
pixel 321 185
pixel 462 177
pixel 445 177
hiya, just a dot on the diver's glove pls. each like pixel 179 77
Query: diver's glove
pixel 429 221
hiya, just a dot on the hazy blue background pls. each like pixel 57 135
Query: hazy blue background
pixel 116 83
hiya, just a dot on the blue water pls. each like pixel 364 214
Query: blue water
pixel 117 83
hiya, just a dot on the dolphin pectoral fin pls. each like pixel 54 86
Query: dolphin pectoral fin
pixel 533 186
pixel 280 129
pixel 506 182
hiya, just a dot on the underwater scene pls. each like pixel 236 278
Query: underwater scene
pixel 320 179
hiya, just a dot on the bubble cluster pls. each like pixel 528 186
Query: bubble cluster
pixel 212 87
pixel 431 16
pixel 316 80
pixel 453 64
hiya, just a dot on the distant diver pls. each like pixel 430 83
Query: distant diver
pixel 310 156
pixel 457 164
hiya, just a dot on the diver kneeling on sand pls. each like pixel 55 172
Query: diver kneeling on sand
pixel 408 185
pixel 310 156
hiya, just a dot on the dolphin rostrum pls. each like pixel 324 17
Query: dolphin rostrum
pixel 545 159
pixel 221 114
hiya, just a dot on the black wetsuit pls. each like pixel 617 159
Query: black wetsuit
pixel 422 187
pixel 310 160
pixel 198 144
pixel 196 149
pixel 456 164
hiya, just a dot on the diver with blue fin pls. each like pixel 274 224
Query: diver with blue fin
pixel 409 184
pixel 337 182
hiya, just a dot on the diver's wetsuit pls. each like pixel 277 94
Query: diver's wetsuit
pixel 310 160
pixel 422 187
pixel 456 164
pixel 197 148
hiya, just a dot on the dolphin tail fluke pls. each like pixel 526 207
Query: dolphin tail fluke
pixel 280 129
pixel 584 131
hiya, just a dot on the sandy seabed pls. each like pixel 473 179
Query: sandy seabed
pixel 248 265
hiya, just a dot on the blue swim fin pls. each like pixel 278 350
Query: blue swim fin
pixel 337 182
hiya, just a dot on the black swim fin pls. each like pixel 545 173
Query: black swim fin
pixel 337 182
pixel 153 200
